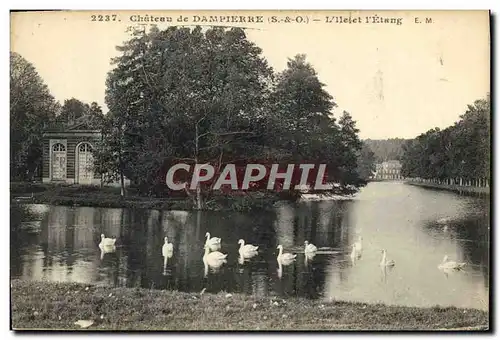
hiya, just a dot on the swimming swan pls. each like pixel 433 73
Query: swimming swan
pixel 167 249
pixel 354 254
pixel 285 258
pixel 107 250
pixel 107 242
pixel 359 245
pixel 451 265
pixel 213 257
pixel 384 262
pixel 444 220
pixel 309 247
pixel 213 243
pixel 247 250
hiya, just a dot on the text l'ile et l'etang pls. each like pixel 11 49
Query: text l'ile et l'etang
pixel 372 19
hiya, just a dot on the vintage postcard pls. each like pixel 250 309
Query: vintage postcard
pixel 250 170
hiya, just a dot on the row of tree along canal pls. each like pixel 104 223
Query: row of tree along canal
pixel 456 158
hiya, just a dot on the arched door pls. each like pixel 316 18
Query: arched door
pixel 58 162
pixel 85 164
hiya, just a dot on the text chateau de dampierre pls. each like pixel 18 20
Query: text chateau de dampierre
pixel 273 19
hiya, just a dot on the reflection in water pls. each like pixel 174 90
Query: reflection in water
pixel 417 227
pixel 308 257
pixel 106 249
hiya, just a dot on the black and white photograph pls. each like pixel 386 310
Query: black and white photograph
pixel 243 170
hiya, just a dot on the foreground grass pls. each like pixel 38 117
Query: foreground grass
pixel 42 305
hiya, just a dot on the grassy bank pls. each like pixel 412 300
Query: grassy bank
pixel 109 197
pixel 460 189
pixel 42 305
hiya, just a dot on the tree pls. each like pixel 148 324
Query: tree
pixel 31 108
pixel 95 116
pixel 350 146
pixel 72 110
pixel 386 149
pixel 108 155
pixel 185 95
pixel 366 162
pixel 460 152
pixel 305 126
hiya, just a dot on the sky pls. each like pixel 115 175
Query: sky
pixel 395 80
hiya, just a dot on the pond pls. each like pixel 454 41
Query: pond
pixel 59 243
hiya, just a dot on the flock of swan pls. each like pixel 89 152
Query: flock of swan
pixel 357 249
pixel 214 258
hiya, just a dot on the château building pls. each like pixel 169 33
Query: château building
pixel 388 170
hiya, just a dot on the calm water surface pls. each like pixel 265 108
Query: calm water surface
pixel 61 244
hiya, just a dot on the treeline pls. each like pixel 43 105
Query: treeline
pixel 386 149
pixel 32 110
pixel 209 96
pixel 457 155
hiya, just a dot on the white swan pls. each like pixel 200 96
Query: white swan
pixel 107 250
pixel 358 245
pixel 285 258
pixel 444 220
pixel 213 243
pixel 451 265
pixel 309 247
pixel 215 256
pixel 167 249
pixel 213 260
pixel 354 254
pixel 106 241
pixel 385 262
pixel 247 250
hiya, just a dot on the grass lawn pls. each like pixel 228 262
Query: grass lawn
pixel 57 306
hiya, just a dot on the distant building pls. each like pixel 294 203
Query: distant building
pixel 389 170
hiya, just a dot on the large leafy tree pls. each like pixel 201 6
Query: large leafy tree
pixel 188 95
pixel 75 110
pixel 305 125
pixel 72 110
pixel 31 108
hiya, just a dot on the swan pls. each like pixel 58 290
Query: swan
pixel 444 220
pixel 309 247
pixel 247 250
pixel 358 245
pixel 213 243
pixel 384 262
pixel 213 256
pixel 106 241
pixel 213 260
pixel 451 265
pixel 285 258
pixel 167 248
pixel 106 249
pixel 354 254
